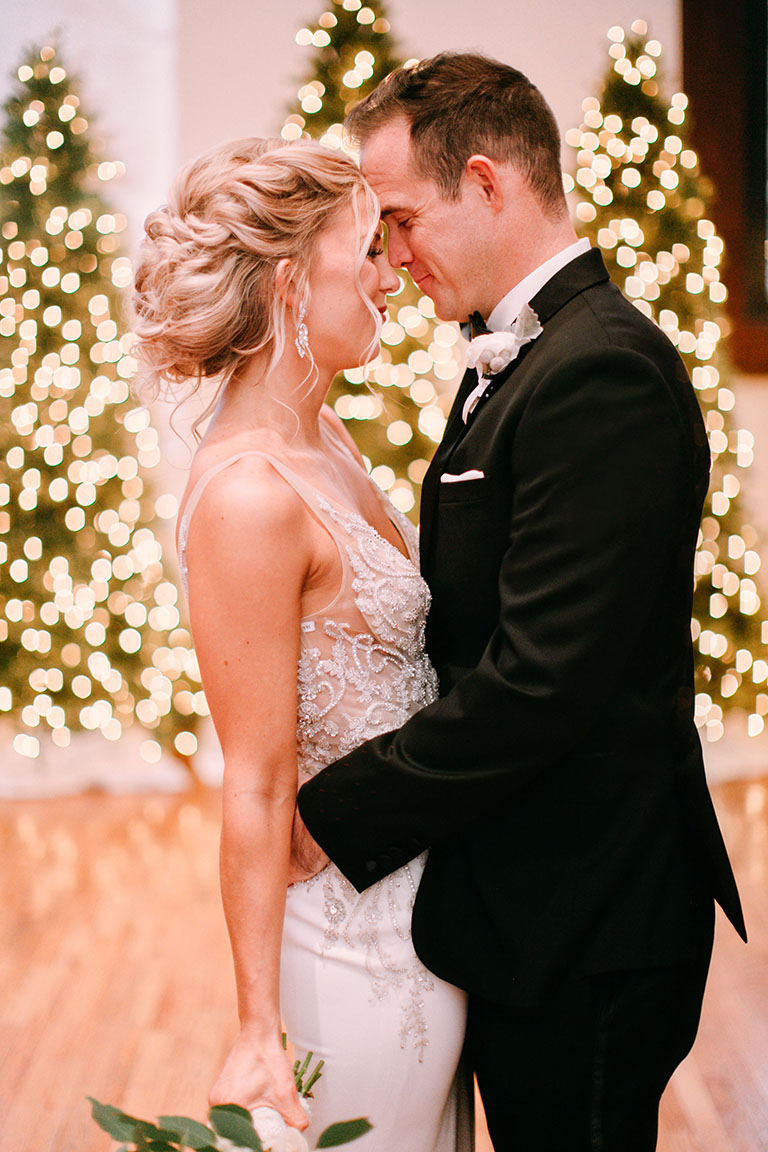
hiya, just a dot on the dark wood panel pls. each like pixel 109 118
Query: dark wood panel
pixel 724 74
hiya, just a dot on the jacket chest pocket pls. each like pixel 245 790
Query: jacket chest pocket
pixel 470 535
pixel 477 490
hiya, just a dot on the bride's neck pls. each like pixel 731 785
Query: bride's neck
pixel 286 401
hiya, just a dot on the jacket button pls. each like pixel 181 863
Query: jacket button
pixel 370 865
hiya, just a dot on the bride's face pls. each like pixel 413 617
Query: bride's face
pixel 340 325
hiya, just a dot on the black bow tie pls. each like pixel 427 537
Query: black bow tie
pixel 477 326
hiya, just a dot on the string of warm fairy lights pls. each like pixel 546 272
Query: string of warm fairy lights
pixel 90 630
pixel 421 358
pixel 643 201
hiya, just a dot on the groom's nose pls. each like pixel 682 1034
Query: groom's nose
pixel 398 250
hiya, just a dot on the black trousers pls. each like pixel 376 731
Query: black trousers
pixel 584 1072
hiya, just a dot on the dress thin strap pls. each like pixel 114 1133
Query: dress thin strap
pixel 300 486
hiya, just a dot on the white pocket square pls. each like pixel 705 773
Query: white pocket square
pixel 472 474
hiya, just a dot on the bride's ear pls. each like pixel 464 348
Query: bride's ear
pixel 283 285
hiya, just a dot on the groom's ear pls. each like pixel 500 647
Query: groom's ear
pixel 482 174
pixel 283 285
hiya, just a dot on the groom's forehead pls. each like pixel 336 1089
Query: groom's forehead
pixel 386 150
pixel 394 195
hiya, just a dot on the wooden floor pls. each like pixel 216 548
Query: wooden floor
pixel 115 976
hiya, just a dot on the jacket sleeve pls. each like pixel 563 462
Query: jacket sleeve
pixel 602 515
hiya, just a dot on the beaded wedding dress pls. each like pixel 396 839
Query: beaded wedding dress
pixel 353 990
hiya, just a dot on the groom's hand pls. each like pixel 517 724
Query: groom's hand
pixel 307 857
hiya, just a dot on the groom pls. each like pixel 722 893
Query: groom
pixel 558 783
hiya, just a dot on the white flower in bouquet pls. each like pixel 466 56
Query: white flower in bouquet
pixel 275 1134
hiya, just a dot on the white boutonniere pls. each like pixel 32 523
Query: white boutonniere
pixel 493 352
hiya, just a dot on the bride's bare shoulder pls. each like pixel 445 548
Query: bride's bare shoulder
pixel 246 499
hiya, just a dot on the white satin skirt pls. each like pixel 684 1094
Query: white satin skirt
pixel 391 1034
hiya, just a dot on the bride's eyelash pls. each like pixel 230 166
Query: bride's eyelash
pixel 376 250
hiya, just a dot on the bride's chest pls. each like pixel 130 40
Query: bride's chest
pixel 382 596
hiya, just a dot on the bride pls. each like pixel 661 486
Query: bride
pixel 266 273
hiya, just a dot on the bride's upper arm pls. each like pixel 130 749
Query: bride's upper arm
pixel 248 552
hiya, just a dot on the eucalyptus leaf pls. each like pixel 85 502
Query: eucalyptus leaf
pixel 234 1123
pixel 146 1143
pixel 151 1131
pixel 115 1123
pixel 236 1109
pixel 343 1133
pixel 191 1132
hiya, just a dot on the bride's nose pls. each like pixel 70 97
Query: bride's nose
pixel 389 281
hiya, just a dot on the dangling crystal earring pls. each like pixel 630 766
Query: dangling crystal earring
pixel 302 334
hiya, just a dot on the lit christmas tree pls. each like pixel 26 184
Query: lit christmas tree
pixel 90 634
pixel 644 203
pixel 399 422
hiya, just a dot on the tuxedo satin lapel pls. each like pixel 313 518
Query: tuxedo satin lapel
pixel 576 277
pixel 453 431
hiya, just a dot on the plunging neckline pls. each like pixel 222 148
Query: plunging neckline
pixel 365 523
pixel 383 500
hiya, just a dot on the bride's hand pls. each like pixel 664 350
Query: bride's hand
pixel 307 857
pixel 258 1073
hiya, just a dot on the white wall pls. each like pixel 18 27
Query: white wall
pixel 124 53
pixel 239 70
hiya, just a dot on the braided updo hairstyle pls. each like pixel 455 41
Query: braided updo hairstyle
pixel 205 295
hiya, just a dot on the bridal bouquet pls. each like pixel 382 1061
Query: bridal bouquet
pixel 231 1129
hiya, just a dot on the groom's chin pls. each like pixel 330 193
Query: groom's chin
pixel 445 311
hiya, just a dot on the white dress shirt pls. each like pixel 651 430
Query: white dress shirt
pixel 508 309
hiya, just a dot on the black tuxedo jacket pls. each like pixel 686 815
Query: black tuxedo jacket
pixel 558 781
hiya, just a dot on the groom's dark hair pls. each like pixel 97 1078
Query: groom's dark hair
pixel 462 103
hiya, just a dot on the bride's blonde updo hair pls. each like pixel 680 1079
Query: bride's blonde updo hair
pixel 205 295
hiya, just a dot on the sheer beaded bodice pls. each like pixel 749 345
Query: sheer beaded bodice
pixel 362 671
